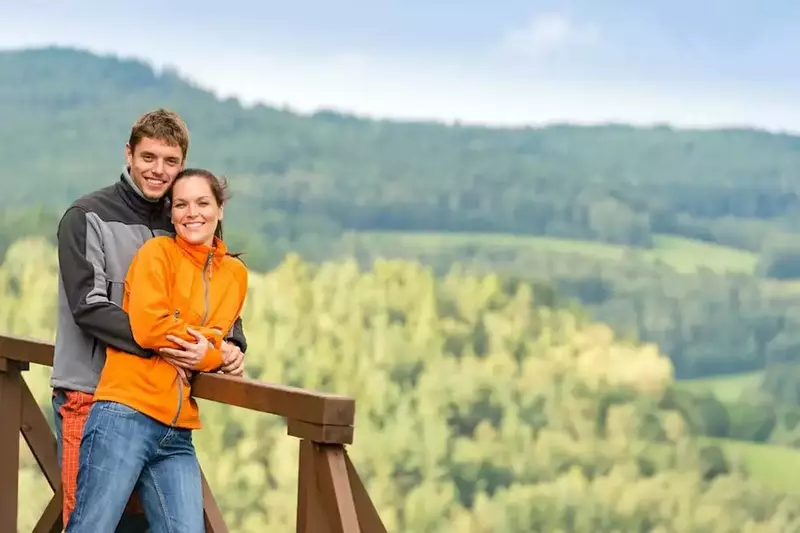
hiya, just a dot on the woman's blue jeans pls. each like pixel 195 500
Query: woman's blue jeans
pixel 123 449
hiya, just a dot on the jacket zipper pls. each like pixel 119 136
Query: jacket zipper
pixel 207 268
pixel 180 399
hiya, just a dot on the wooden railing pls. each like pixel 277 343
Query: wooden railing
pixel 330 496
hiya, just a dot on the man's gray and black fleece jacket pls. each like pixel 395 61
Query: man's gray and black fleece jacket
pixel 97 238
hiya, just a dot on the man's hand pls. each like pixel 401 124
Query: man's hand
pixel 191 354
pixel 232 359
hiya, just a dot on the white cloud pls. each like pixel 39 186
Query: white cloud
pixel 549 32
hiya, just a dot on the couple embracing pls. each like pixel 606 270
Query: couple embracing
pixel 148 296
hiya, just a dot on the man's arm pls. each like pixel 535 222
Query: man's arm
pixel 236 335
pixel 233 352
pixel 82 266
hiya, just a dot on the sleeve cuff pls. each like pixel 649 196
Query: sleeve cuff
pixel 212 360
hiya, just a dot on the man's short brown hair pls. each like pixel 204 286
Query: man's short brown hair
pixel 161 124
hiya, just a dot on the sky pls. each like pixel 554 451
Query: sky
pixel 708 63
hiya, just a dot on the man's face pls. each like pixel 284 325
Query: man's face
pixel 154 165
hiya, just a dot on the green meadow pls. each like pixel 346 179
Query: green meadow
pixel 726 388
pixel 770 464
pixel 682 254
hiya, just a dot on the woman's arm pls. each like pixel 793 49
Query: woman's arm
pixel 151 315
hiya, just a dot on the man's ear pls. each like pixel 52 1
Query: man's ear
pixel 128 155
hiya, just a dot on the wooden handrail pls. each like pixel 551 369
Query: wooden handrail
pixel 331 496
pixel 289 402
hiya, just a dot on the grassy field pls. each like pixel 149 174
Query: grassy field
pixel 767 463
pixel 770 464
pixel 726 388
pixel 684 255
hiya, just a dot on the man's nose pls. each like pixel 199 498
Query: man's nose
pixel 159 167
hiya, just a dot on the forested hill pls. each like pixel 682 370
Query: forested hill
pixel 332 186
pixel 480 408
pixel 613 216
pixel 66 113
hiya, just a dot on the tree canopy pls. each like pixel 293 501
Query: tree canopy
pixel 480 408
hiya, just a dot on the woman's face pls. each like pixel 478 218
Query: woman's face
pixel 195 212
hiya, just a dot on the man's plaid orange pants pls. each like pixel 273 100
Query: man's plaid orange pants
pixel 71 410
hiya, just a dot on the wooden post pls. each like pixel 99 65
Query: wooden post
pixel 309 513
pixel 324 499
pixel 10 422
pixel 334 488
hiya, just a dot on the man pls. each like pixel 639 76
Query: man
pixel 98 236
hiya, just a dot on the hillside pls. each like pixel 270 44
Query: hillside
pixel 667 235
pixel 612 183
pixel 432 251
pixel 481 408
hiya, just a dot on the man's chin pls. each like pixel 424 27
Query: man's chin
pixel 154 195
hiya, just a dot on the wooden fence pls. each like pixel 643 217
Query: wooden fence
pixel 330 495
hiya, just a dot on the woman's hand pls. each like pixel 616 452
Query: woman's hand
pixel 191 354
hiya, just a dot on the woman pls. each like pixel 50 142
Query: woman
pixel 139 431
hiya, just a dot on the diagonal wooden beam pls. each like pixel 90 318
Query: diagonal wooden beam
pixel 211 513
pixel 40 438
pixel 368 517
pixel 50 521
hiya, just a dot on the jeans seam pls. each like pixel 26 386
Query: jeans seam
pixel 166 438
pixel 89 445
pixel 161 502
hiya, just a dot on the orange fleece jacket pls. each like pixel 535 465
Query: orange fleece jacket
pixel 172 285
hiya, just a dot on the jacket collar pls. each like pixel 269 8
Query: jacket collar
pixel 201 254
pixel 134 198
